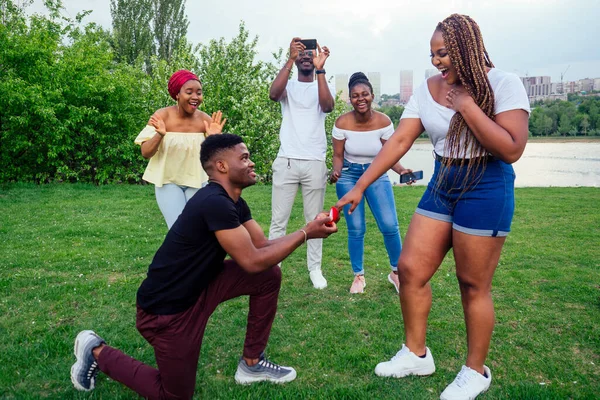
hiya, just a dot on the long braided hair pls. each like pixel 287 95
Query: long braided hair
pixel 469 57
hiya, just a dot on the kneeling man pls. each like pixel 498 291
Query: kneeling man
pixel 189 277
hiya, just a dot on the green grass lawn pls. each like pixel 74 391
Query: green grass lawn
pixel 73 256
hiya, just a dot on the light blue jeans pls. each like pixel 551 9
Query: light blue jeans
pixel 380 197
pixel 171 199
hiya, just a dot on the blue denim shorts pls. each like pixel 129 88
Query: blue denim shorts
pixel 485 209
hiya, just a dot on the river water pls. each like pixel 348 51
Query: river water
pixel 542 164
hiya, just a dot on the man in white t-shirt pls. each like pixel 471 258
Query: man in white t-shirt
pixel 301 157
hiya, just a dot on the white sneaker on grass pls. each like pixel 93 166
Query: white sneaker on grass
pixel 405 363
pixel 467 385
pixel 317 279
pixel 264 370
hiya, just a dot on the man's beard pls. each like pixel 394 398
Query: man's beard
pixel 307 72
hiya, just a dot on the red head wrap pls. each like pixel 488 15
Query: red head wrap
pixel 178 79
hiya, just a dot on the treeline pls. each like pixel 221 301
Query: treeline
pixel 580 116
pixel 73 96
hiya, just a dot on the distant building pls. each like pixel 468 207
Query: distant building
pixel 537 86
pixel 570 87
pixel 341 84
pixel 406 85
pixel 375 79
pixel 553 96
pixel 556 88
pixel 586 85
pixel 541 88
pixel 431 72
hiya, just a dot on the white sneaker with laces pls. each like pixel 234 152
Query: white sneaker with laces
pixel 467 385
pixel 317 279
pixel 405 363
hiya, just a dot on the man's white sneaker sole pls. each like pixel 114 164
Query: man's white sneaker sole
pixel 424 371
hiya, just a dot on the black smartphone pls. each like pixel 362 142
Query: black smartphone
pixel 413 176
pixel 311 44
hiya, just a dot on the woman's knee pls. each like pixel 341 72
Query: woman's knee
pixel 410 274
pixel 472 287
pixel 390 231
pixel 357 233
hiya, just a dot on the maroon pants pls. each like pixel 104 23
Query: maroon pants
pixel 177 338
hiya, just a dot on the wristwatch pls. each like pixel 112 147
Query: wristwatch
pixel 320 71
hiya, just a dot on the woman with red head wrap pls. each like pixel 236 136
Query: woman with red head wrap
pixel 172 140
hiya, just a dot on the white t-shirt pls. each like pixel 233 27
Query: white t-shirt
pixel 361 147
pixel 509 94
pixel 302 132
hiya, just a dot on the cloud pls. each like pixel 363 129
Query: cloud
pixel 387 35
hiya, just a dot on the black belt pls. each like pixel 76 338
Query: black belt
pixel 458 161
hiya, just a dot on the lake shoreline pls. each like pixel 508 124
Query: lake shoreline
pixel 547 139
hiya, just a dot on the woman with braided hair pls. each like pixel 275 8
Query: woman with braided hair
pixel 172 140
pixel 477 119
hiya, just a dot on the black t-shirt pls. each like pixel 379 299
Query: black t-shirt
pixel 191 256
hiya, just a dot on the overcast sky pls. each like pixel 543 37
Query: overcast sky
pixel 533 37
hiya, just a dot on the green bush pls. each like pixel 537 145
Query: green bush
pixel 68 112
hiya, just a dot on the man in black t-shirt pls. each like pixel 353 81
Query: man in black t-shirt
pixel 189 277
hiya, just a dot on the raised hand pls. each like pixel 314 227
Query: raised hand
pixel 319 59
pixel 216 125
pixel 157 122
pixel 296 47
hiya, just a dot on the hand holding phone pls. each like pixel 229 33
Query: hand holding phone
pixel 309 44
pixel 411 176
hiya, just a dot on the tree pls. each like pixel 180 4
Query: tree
pixel 394 112
pixel 67 112
pixel 132 35
pixel 565 125
pixel 9 10
pixel 591 108
pixel 585 124
pixel 170 26
pixel 386 97
pixel 540 124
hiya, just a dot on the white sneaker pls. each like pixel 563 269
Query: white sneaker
pixel 405 363
pixel 467 385
pixel 318 280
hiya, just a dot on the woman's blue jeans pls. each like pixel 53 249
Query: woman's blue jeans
pixel 380 197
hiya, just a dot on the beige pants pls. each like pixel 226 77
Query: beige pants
pixel 288 174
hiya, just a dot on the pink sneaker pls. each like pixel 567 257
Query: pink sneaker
pixel 358 286
pixel 393 278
